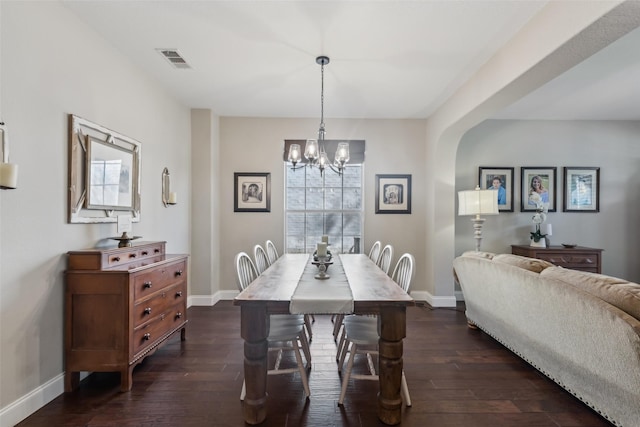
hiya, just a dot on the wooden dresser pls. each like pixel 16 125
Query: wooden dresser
pixel 121 304
pixel 576 258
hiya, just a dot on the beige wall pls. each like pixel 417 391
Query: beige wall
pixel 256 145
pixel 53 65
pixel 610 145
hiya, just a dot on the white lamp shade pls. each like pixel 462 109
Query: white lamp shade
pixel 478 202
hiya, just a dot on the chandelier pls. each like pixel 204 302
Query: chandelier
pixel 314 150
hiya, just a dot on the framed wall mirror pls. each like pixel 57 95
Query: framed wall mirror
pixel 104 173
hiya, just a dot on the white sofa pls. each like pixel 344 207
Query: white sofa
pixel 582 330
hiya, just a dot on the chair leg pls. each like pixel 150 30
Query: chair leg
pixel 404 389
pixel 337 325
pixel 343 354
pixel 305 348
pixel 243 393
pixel 301 368
pixel 347 374
pixel 341 344
pixel 307 324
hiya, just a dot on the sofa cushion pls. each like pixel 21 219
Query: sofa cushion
pixel 618 292
pixel 531 264
pixel 478 254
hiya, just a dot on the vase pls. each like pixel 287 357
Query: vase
pixel 539 244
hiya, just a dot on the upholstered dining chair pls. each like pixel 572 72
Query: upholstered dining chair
pixel 260 256
pixel 384 260
pixel 362 335
pixel 286 332
pixel 272 252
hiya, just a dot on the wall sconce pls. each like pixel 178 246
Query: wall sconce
pixel 168 197
pixel 8 171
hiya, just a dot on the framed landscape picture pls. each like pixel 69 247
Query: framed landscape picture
pixel 393 194
pixel 581 189
pixel 251 192
pixel 541 180
pixel 500 179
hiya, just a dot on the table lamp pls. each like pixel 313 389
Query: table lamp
pixel 478 202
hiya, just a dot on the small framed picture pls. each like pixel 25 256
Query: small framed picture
pixel 393 194
pixel 581 189
pixel 501 179
pixel 540 180
pixel 252 192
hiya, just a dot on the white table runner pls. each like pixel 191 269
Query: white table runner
pixel 328 296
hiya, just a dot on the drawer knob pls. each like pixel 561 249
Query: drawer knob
pixel 146 285
pixel 156 250
pixel 146 337
pixel 178 273
pixel 145 253
pixel 178 294
pixel 178 315
pixel 132 255
pixel 147 310
pixel 116 258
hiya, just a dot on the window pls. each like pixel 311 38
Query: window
pixel 316 205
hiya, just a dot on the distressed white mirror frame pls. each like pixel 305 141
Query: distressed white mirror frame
pixel 82 134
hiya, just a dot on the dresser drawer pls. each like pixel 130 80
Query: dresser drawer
pixel 574 261
pixel 147 283
pixel 576 258
pixel 156 329
pixel 149 308
pixel 100 259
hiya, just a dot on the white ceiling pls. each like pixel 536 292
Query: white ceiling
pixel 389 59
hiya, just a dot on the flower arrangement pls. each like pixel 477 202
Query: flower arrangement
pixel 539 217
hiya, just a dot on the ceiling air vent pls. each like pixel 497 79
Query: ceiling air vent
pixel 173 56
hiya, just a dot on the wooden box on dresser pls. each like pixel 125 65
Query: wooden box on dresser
pixel 121 304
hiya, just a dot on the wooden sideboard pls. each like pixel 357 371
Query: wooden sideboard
pixel 576 258
pixel 121 304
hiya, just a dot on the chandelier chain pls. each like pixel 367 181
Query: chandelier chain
pixel 322 95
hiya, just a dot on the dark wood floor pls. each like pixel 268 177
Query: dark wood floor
pixel 456 377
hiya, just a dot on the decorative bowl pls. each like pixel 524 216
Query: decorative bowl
pixel 569 245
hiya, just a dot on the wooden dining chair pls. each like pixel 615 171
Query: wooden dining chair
pixel 374 253
pixel 272 252
pixel 286 332
pixel 384 260
pixel 362 334
pixel 260 256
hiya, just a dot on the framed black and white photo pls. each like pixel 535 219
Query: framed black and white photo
pixel 539 180
pixel 500 179
pixel 252 192
pixel 393 194
pixel 581 189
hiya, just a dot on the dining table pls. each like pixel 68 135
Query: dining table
pixel 356 285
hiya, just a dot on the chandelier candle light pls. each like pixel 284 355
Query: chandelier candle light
pixel 478 202
pixel 314 150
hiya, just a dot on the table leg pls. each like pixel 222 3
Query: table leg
pixel 392 331
pixel 254 329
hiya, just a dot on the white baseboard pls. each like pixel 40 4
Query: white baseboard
pixel 31 402
pixel 434 301
pixel 210 300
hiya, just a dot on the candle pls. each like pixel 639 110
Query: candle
pixel 325 239
pixel 8 175
pixel 173 198
pixel 321 250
